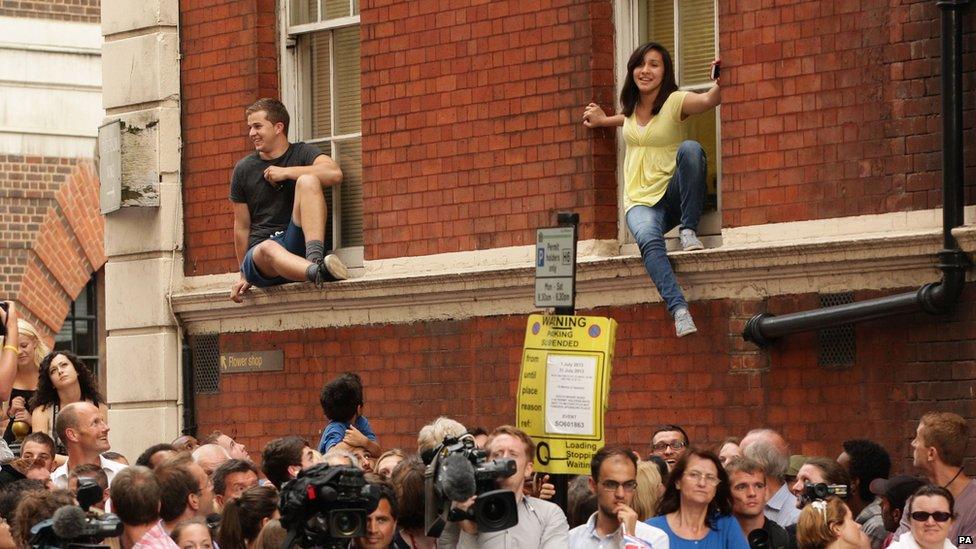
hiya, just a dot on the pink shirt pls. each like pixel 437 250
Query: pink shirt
pixel 156 538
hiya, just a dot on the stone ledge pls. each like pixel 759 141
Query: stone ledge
pixel 499 282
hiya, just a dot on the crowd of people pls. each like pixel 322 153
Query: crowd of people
pixel 189 493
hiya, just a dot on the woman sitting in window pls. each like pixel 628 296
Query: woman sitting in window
pixel 664 172
pixel 63 379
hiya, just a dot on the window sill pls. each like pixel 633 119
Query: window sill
pixel 501 282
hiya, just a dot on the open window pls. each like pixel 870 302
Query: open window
pixel 321 86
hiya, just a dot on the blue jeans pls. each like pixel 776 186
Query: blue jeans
pixel 681 203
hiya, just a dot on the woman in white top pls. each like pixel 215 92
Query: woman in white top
pixel 931 511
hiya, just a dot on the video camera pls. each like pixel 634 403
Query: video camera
pixel 326 506
pixel 820 490
pixel 459 471
pixel 72 527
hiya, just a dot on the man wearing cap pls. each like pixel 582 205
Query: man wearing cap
pixel 866 461
pixel 894 493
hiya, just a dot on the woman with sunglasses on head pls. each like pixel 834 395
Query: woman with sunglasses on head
pixel 931 511
pixel 696 508
pixel 829 524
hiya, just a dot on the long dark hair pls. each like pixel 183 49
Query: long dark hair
pixel 47 395
pixel 629 95
pixel 720 505
pixel 242 516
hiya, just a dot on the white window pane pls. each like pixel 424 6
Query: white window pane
pixel 697 41
pixel 303 11
pixel 351 192
pixel 321 89
pixel 658 23
pixel 347 70
pixel 332 9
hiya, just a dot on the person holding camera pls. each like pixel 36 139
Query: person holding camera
pixel 748 482
pixel 613 478
pixel 381 524
pixel 136 497
pixel 541 524
pixel 818 478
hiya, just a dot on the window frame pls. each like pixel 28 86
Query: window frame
pixel 627 38
pixel 94 320
pixel 295 83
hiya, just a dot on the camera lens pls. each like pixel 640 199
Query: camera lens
pixel 346 524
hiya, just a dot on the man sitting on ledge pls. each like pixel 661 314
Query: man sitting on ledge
pixel 279 206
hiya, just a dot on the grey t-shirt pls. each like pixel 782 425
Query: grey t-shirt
pixel 270 207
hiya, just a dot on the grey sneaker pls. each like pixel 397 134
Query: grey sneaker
pixel 683 323
pixel 332 269
pixel 689 240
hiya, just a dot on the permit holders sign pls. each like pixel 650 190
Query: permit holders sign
pixel 555 261
pixel 563 387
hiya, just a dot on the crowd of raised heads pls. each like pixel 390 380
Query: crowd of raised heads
pixel 669 492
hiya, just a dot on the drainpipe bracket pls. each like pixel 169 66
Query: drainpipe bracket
pixel 753 331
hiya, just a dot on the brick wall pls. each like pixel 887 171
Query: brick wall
pixel 833 109
pixel 51 234
pixel 471 134
pixel 229 60
pixel 455 157
pixel 85 11
pixel 414 372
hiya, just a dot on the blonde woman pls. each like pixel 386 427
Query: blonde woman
pixel 829 525
pixel 649 490
pixel 30 354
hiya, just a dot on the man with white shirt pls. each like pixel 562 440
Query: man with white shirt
pixel 82 428
pixel 767 447
pixel 614 479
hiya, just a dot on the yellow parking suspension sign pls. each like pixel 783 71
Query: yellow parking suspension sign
pixel 563 388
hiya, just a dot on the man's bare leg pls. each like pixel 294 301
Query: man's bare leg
pixel 273 260
pixel 310 213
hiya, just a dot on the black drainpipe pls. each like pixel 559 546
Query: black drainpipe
pixel 936 297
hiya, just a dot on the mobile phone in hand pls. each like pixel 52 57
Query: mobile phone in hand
pixel 716 71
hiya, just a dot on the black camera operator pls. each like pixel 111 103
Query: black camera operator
pixel 540 523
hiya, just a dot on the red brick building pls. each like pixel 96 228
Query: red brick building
pixel 457 128
pixel 51 230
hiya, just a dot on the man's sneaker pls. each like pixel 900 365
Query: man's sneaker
pixel 689 241
pixel 332 269
pixel 683 323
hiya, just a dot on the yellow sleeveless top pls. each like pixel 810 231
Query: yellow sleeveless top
pixel 651 152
